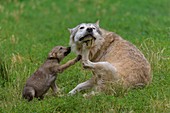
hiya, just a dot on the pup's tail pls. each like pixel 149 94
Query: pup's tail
pixel 28 93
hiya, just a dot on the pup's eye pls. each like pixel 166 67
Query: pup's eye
pixel 81 27
pixel 60 48
pixel 93 28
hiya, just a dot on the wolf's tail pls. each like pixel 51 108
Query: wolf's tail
pixel 28 93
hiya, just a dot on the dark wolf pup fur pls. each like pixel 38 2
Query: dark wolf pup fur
pixel 44 78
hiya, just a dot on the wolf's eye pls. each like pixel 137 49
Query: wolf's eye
pixel 93 28
pixel 81 27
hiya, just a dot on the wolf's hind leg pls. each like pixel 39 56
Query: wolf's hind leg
pixel 82 86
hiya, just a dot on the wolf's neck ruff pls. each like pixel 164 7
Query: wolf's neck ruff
pixel 101 47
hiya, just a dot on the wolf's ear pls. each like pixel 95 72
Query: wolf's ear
pixel 73 30
pixel 70 30
pixel 97 23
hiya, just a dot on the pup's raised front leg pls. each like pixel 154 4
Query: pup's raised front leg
pixel 69 63
pixel 82 86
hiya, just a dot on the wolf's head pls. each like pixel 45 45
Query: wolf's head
pixel 83 33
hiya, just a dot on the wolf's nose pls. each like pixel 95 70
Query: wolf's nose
pixel 89 30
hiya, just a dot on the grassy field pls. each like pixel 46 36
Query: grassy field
pixel 29 29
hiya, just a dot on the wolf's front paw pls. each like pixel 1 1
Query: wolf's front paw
pixel 85 66
pixel 88 44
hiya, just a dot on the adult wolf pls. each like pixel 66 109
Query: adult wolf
pixel 111 58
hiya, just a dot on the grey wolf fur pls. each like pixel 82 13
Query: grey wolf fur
pixel 111 59
pixel 44 78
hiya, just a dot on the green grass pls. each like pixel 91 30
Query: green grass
pixel 30 28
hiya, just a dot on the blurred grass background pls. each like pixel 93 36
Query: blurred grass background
pixel 29 29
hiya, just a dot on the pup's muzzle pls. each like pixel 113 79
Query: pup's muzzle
pixel 68 51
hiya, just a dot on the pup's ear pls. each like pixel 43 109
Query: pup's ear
pixel 52 55
pixel 97 23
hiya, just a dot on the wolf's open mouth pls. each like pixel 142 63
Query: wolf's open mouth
pixel 87 37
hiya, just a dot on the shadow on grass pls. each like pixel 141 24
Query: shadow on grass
pixel 3 73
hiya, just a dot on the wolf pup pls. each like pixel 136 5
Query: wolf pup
pixel 44 78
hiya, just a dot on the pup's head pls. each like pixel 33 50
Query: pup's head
pixel 59 52
pixel 83 33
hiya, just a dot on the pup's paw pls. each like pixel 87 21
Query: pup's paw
pixel 78 57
